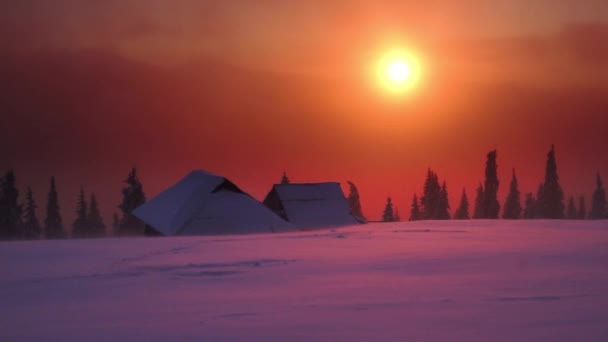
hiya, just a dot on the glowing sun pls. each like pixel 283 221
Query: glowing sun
pixel 398 71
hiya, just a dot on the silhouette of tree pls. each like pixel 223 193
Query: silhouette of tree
pixel 530 207
pixel 462 213
pixel 31 226
pixel 133 197
pixel 598 203
pixel 388 214
pixel 582 208
pixel 354 202
pixel 96 227
pixel 550 199
pixel 479 210
pixel 53 225
pixel 10 210
pixel 513 208
pixel 491 207
pixel 431 197
pixel 415 214
pixel 444 204
pixel 571 213
pixel 80 226
pixel 285 179
pixel 396 216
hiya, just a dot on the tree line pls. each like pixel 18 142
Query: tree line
pixel 20 220
pixel 547 203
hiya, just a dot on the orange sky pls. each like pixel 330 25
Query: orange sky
pixel 249 89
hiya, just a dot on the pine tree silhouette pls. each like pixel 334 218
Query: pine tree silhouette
pixel 550 200
pixel 513 208
pixel 479 210
pixel 133 197
pixel 396 216
pixel 388 214
pixel 530 207
pixel 582 208
pixel 96 227
pixel 415 214
pixel 462 213
pixel 571 213
pixel 491 207
pixel 354 202
pixel 31 226
pixel 431 197
pixel 444 204
pixel 115 224
pixel 80 227
pixel 285 179
pixel 598 203
pixel 53 225
pixel 10 210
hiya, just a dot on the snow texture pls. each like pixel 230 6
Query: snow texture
pixel 204 204
pixel 314 205
pixel 422 281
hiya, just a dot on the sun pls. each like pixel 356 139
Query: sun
pixel 398 71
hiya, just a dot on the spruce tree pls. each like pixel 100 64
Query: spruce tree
pixel 53 225
pixel 431 197
pixel 530 207
pixel 491 207
pixel 133 197
pixel 462 213
pixel 10 210
pixel 571 213
pixel 444 204
pixel 598 203
pixel 550 201
pixel 31 226
pixel 582 208
pixel 354 202
pixel 94 220
pixel 396 216
pixel 80 227
pixel 415 214
pixel 115 224
pixel 479 210
pixel 285 179
pixel 388 215
pixel 513 208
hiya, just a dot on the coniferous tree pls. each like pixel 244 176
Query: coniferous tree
pixel 31 226
pixel 444 204
pixel 513 208
pixel 491 207
pixel 285 179
pixel 133 197
pixel 479 210
pixel 550 201
pixel 80 227
pixel 354 202
pixel 571 213
pixel 582 208
pixel 96 227
pixel 598 203
pixel 462 213
pixel 53 225
pixel 388 214
pixel 431 197
pixel 530 207
pixel 10 210
pixel 415 214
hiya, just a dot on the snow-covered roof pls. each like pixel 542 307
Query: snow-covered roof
pixel 313 205
pixel 203 203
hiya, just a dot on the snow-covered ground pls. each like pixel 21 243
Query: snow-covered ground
pixel 424 281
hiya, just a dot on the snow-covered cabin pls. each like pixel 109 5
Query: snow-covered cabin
pixel 310 205
pixel 203 203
